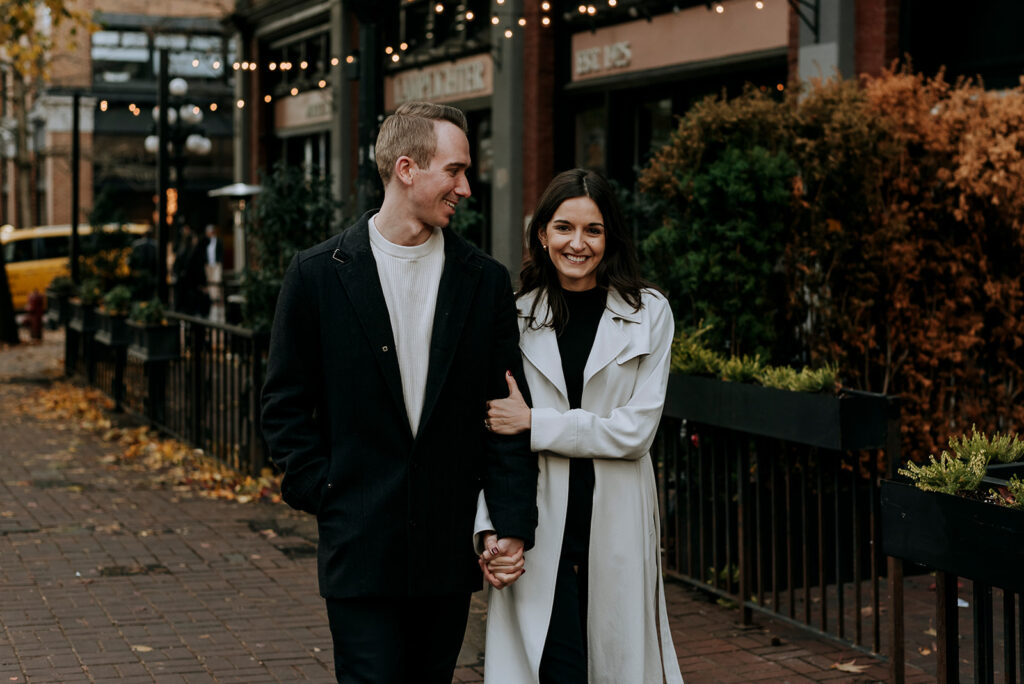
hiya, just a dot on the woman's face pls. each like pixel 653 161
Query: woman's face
pixel 574 240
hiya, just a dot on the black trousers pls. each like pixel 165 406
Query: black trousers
pixel 564 660
pixel 397 640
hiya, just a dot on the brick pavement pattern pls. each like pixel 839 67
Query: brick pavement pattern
pixel 105 578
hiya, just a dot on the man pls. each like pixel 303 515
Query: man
pixel 387 342
pixel 190 274
pixel 142 262
pixel 214 266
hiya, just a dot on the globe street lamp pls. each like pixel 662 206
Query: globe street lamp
pixel 184 134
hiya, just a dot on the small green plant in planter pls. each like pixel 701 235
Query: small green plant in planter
pixel 742 368
pixel 118 301
pixel 691 357
pixel 90 291
pixel 61 286
pixel 805 380
pixel 961 472
pixel 147 313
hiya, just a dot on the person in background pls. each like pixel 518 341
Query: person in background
pixel 190 274
pixel 214 266
pixel 143 261
pixel 596 342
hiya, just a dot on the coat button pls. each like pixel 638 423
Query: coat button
pixel 384 348
pixel 330 485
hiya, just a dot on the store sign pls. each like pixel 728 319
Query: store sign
pixel 309 108
pixel 689 36
pixel 458 80
pixel 603 58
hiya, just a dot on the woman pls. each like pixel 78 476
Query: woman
pixel 596 346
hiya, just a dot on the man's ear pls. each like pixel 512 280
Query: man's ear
pixel 404 170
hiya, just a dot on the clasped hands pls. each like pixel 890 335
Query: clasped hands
pixel 502 560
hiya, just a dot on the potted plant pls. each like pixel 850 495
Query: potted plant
pixel 742 393
pixel 58 292
pixel 152 338
pixel 83 312
pixel 956 517
pixel 111 327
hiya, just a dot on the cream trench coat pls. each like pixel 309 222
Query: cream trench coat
pixel 624 382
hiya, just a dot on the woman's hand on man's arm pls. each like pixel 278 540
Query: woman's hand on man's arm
pixel 511 415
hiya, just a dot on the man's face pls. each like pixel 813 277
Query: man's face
pixel 437 189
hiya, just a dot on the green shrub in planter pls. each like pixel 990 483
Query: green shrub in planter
pixel 118 301
pixel 149 312
pixel 90 291
pixel 961 471
pixel 61 286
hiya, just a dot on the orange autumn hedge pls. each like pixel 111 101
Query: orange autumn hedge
pixel 897 251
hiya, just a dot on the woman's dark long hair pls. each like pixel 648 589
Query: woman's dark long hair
pixel 619 268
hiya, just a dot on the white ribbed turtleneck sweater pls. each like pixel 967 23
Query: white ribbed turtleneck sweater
pixel 410 277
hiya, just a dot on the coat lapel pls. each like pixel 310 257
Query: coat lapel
pixel 540 345
pixel 612 335
pixel 454 294
pixel 357 270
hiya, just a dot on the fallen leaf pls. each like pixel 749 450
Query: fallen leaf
pixel 142 649
pixel 924 650
pixel 931 632
pixel 851 666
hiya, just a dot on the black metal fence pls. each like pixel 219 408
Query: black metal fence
pixel 207 394
pixel 770 499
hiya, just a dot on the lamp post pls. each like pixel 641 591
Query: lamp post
pixel 177 126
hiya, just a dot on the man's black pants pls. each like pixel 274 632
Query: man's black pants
pixel 397 640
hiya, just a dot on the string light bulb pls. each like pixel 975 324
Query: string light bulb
pixel 546 6
pixel 522 21
pixel 759 4
pixel 404 46
pixel 439 8
pixel 470 16
pixel 303 64
pixel 213 106
pixel 195 63
pixel 546 21
pixel 103 105
pixel 294 91
pixel 394 57
pixel 591 10
pixel 334 61
pixel 235 66
pixel 350 59
pixel 388 50
pixel 240 104
pixel 267 98
pixel 612 3
pixel 495 20
pixel 216 65
pixel 719 8
pixel 272 66
pixel 508 33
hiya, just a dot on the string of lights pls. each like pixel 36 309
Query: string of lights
pixel 394 53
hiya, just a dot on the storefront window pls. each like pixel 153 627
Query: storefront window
pixel 591 138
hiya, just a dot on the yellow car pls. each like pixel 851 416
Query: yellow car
pixel 35 256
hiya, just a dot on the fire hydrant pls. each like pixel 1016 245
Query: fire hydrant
pixel 34 315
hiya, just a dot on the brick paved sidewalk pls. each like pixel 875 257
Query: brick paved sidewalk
pixel 105 578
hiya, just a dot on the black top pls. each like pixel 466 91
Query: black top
pixel 574 345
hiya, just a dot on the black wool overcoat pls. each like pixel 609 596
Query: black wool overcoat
pixel 395 512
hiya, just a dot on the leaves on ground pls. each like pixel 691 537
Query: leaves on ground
pixel 167 463
pixel 851 666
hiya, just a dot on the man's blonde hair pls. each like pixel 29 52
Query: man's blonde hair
pixel 410 132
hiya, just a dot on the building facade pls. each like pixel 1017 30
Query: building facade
pixel 113 71
pixel 551 84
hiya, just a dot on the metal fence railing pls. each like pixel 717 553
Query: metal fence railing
pixel 770 499
pixel 207 393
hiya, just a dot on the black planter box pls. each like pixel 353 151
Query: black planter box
pixel 967 538
pixel 844 422
pixel 999 474
pixel 83 318
pixel 112 330
pixel 153 342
